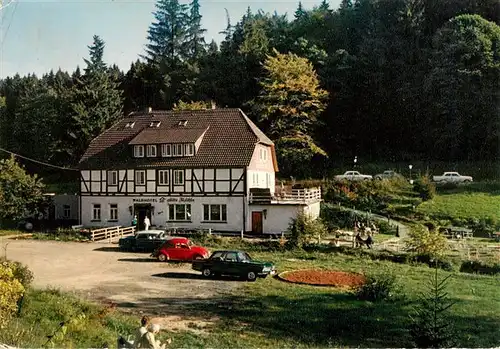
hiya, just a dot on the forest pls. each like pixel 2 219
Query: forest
pixel 379 79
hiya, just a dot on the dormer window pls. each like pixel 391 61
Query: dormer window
pixel 166 150
pixel 189 151
pixel 130 124
pixel 183 123
pixel 155 124
pixel 151 151
pixel 139 151
pixel 177 149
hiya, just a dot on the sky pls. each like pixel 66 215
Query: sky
pixel 37 36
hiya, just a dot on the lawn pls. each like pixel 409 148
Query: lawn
pixel 463 205
pixel 270 313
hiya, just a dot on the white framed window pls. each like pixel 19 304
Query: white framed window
pixel 138 151
pixel 189 151
pixel 155 124
pixel 96 212
pixel 166 150
pixel 180 212
pixel 255 179
pixel 113 212
pixel 163 177
pixel 177 149
pixel 112 177
pixel 178 177
pixel 151 150
pixel 215 213
pixel 263 154
pixel 140 177
pixel 66 211
pixel 268 180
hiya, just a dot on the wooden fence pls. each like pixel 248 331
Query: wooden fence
pixel 111 233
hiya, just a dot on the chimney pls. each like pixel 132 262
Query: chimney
pixel 213 104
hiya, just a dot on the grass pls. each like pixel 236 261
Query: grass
pixel 463 205
pixel 270 313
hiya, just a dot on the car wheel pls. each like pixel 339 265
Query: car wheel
pixel 197 257
pixel 162 257
pixel 251 276
pixel 206 272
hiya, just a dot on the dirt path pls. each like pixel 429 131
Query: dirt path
pixel 132 281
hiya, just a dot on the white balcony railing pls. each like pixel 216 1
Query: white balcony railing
pixel 290 196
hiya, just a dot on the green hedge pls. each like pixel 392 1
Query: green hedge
pixel 480 267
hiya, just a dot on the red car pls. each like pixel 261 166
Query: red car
pixel 180 249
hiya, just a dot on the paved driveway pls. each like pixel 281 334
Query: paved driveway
pixel 100 271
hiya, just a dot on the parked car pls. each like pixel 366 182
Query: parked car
pixel 236 263
pixel 388 175
pixel 180 249
pixel 353 176
pixel 452 177
pixel 144 240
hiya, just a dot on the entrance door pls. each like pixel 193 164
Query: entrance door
pixel 257 222
pixel 142 210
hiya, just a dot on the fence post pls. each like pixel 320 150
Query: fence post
pixel 242 234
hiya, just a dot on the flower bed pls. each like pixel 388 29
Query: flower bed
pixel 323 278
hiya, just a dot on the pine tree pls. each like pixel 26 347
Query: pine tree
pixel 167 36
pixel 97 101
pixel 96 62
pixel 196 42
pixel 431 328
pixel 300 13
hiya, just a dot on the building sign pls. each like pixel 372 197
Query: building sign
pixel 163 199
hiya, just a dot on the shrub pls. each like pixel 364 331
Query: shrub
pixel 430 327
pixel 432 261
pixel 22 273
pixel 426 242
pixel 480 267
pixel 377 287
pixel 335 217
pixel 425 188
pixel 11 291
pixel 302 228
pixel 385 228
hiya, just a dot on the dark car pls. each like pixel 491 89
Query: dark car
pixel 144 241
pixel 236 263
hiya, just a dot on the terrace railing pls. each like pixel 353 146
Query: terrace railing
pixel 294 195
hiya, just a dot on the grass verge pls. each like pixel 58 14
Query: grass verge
pixel 463 205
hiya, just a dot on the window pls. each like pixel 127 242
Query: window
pixel 113 212
pixel 96 212
pixel 231 257
pixel 178 177
pixel 140 177
pixel 189 149
pixel 66 211
pixel 215 213
pixel 268 180
pixel 155 124
pixel 112 178
pixel 183 123
pixel 130 124
pixel 139 151
pixel 255 179
pixel 263 154
pixel 177 149
pixel 151 150
pixel 179 212
pixel 163 177
pixel 166 150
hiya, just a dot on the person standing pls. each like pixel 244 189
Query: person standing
pixel 134 221
pixel 147 223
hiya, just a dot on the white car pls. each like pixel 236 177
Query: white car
pixel 353 176
pixel 452 177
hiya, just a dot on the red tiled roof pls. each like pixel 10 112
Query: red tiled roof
pixel 166 135
pixel 229 140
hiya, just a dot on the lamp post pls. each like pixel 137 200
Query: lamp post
pixel 355 160
pixel 410 167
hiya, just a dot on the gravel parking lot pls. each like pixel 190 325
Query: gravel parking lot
pixel 134 281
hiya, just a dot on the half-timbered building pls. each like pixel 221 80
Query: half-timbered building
pixel 185 169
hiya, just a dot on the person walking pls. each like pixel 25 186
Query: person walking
pixel 147 223
pixel 134 221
